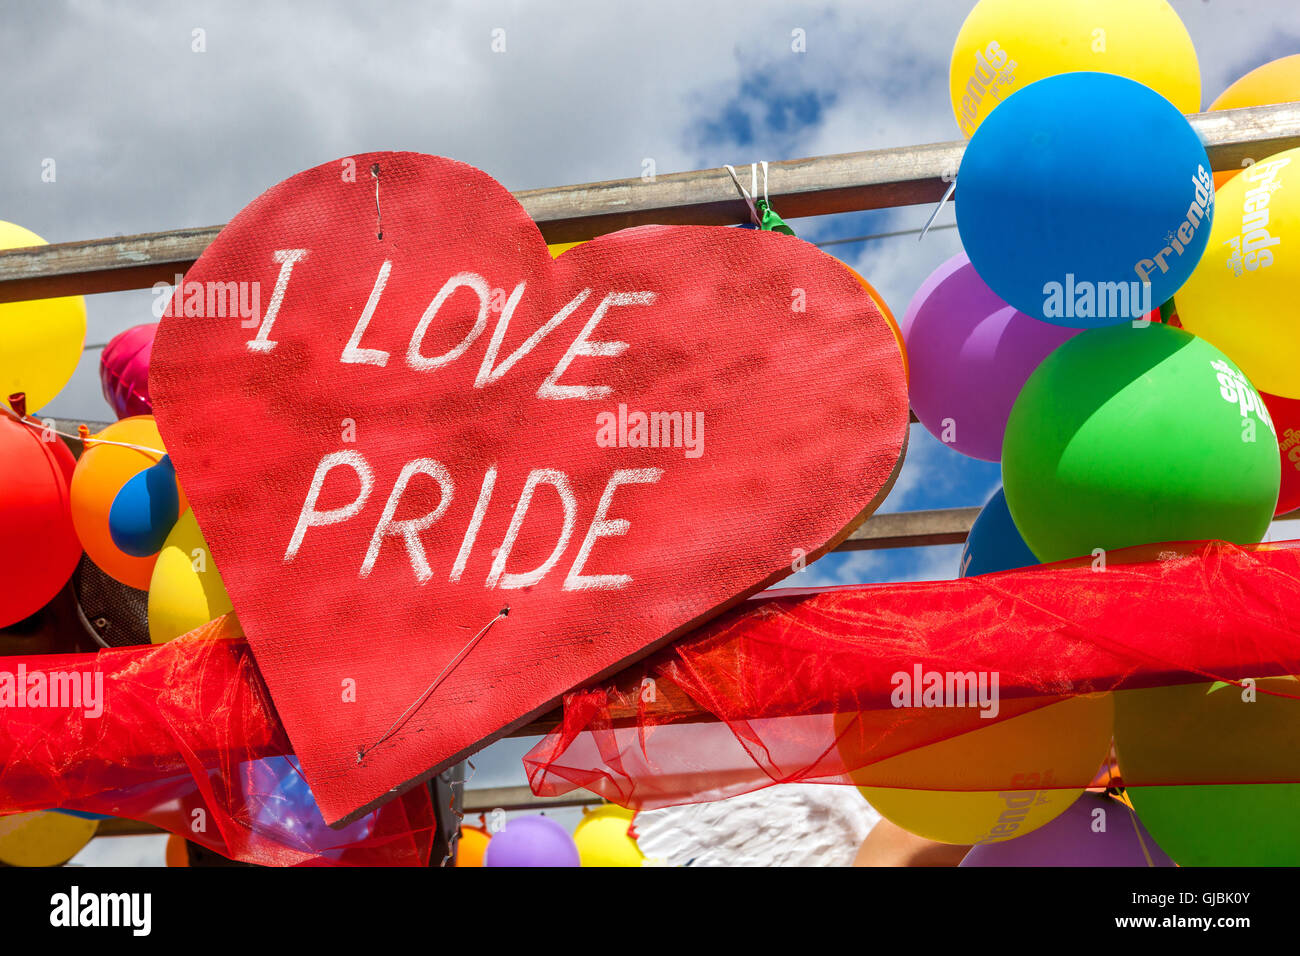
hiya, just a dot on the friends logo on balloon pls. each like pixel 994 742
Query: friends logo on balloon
pixel 1237 390
pixel 1290 444
pixel 1084 299
pixel 1251 248
pixel 992 69
pixel 1018 804
pixel 1200 209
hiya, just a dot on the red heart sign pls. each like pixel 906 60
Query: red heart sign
pixel 394 416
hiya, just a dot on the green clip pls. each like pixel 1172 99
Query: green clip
pixel 769 221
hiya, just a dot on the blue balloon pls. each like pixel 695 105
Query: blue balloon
pixel 83 814
pixel 994 543
pixel 281 807
pixel 145 510
pixel 1085 200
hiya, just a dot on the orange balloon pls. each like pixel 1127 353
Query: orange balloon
pixel 1274 82
pixel 177 854
pixel 471 847
pixel 101 472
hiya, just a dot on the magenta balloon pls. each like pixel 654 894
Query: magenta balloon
pixel 531 841
pixel 969 354
pixel 124 370
pixel 1070 840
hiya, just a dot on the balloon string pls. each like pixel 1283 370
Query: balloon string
pixel 451 665
pixel 937 209
pixel 87 441
pixel 1142 843
pixel 746 194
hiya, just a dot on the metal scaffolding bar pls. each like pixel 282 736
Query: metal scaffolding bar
pixel 817 186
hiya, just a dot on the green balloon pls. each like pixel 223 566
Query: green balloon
pixel 1131 435
pixel 1203 734
pixel 1251 824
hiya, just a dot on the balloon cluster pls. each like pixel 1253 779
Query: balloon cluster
pixel 120 502
pixel 604 837
pixel 1119 337
pixel 133 521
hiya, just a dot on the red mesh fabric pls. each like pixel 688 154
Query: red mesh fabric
pixel 188 740
pixel 749 700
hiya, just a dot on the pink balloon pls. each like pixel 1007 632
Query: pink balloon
pixel 124 370
pixel 969 354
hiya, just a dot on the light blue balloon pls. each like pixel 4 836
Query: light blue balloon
pixel 994 543
pixel 145 510
pixel 1085 200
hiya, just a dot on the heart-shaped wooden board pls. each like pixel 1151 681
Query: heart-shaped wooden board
pixel 386 441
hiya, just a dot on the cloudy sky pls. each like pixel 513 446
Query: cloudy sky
pixel 148 134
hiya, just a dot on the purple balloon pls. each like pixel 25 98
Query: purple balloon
pixel 969 354
pixel 1070 840
pixel 531 841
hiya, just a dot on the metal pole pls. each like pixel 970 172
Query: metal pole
pixel 817 186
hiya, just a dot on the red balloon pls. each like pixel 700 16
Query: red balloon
pixel 38 545
pixel 1285 413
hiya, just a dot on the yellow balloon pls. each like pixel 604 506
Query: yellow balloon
pixel 1274 82
pixel 1241 296
pixel 40 340
pixel 43 838
pixel 1005 45
pixel 186 590
pixel 560 248
pixel 603 838
pixel 1031 756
